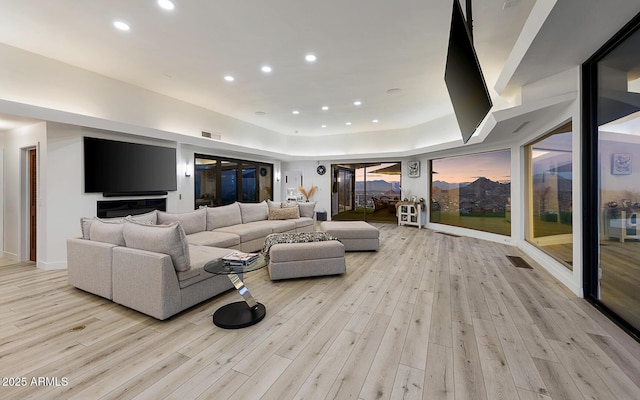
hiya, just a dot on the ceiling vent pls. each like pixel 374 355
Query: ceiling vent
pixel 210 135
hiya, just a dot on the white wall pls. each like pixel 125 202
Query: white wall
pixel 311 178
pixel 419 186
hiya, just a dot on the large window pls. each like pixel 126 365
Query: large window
pixel 612 177
pixel 220 181
pixel 549 194
pixel 473 191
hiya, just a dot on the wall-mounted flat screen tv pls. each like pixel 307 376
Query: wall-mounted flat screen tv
pixel 463 77
pixel 121 168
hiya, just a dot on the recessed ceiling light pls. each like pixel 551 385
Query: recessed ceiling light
pixel 295 112
pixel 121 25
pixel 357 103
pixel 229 78
pixel 348 123
pixel 310 58
pixel 375 121
pixel 166 4
pixel 266 69
pixel 324 126
pixel 260 113
pixel 325 108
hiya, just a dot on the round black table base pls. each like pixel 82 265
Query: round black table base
pixel 238 315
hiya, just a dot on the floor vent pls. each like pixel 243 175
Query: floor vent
pixel 519 262
pixel 448 234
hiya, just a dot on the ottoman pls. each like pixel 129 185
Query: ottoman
pixel 297 260
pixel 355 235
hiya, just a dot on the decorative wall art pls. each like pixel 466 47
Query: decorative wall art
pixel 621 164
pixel 414 169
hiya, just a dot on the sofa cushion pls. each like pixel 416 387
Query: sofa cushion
pixel 147 218
pixel 306 209
pixel 108 231
pixel 250 231
pixel 166 239
pixel 284 213
pixel 214 238
pixel 200 255
pixel 191 222
pixel 303 222
pixel 274 204
pixel 282 226
pixel 252 212
pixel 85 227
pixel 85 224
pixel 218 217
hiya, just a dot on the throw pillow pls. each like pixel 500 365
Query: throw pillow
pixel 108 231
pixel 150 217
pixel 191 222
pixel 85 224
pixel 85 227
pixel 284 213
pixel 166 239
pixel 306 209
pixel 274 204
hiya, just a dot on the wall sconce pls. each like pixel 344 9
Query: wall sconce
pixel 187 169
pixel 277 176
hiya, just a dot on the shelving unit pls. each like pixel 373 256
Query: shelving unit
pixel 411 214
pixel 623 225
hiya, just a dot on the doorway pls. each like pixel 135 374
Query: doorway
pixel 33 203
pixel 365 191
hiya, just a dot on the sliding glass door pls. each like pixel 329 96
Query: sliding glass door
pixel 612 184
pixel 366 191
pixel 220 181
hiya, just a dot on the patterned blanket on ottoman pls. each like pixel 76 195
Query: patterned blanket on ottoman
pixel 295 237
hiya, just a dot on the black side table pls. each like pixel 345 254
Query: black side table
pixel 239 314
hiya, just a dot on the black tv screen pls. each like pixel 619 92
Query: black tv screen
pixel 121 168
pixel 463 77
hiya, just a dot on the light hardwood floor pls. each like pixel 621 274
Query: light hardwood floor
pixel 429 316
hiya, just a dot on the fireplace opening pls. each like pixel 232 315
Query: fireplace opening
pixel 122 208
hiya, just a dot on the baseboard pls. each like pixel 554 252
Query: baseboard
pixel 10 256
pixel 51 265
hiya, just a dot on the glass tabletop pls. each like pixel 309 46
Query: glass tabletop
pixel 218 266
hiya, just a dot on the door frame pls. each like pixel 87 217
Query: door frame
pixel 25 192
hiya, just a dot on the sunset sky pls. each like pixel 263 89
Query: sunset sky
pixel 373 176
pixel 495 166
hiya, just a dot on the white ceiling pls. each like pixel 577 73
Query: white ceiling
pixel 364 48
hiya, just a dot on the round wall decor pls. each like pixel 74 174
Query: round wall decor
pixel 321 169
pixel 263 171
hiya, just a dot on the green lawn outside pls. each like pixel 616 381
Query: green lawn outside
pixel 481 222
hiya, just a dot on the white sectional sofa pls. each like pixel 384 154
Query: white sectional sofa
pixel 153 263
